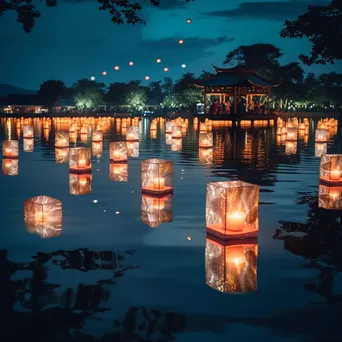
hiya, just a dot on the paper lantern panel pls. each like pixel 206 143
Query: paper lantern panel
pixel 292 134
pixel 10 167
pixel 321 136
pixel 80 159
pixel 132 133
pixel 206 156
pixel 205 140
pixel 62 155
pixel 176 145
pixel 118 172
pixel 156 211
pixel 133 149
pixel 80 184
pixel 232 209
pixel 118 151
pixel 28 145
pixel 176 132
pixel 28 132
pixel 320 149
pixel 168 127
pixel 290 147
pixel 97 136
pixel 62 140
pixel 331 168
pixel 10 149
pixel 97 149
pixel 330 197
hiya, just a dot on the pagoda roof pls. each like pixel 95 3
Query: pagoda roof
pixel 236 77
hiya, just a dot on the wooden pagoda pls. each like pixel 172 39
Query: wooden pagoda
pixel 238 83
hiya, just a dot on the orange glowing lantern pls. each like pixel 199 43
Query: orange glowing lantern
pixel 10 167
pixel 156 176
pixel 292 134
pixel 330 197
pixel 166 69
pixel 176 132
pixel 331 168
pixel 321 136
pixel 28 132
pixel 180 41
pixel 205 140
pixel 232 209
pixel 97 149
pixel 320 149
pixel 118 151
pixel 153 134
pixel 133 149
pixel 279 130
pixel 158 60
pixel 290 147
pixel 97 136
pixel 168 127
pixel 118 172
pixel 206 156
pixel 156 211
pixel 62 140
pixel 10 149
pixel 132 133
pixel 28 145
pixel 176 145
pixel 43 215
pixel 116 67
pixel 153 126
pixel 168 138
pixel 302 126
pixel 80 159
pixel 203 127
pixel 231 267
pixel 80 184
pixel 84 130
pixel 62 155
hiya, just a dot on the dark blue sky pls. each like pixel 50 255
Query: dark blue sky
pixel 76 40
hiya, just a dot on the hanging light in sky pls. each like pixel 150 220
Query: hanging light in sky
pixel 131 63
pixel 166 69
pixel 183 65
pixel 180 41
pixel 147 78
pixel 104 73
pixel 188 21
pixel 116 67
pixel 92 78
pixel 158 60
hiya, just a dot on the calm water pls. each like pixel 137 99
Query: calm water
pixel 149 284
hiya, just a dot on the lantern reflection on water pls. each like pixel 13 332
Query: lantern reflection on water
pixel 97 136
pixel 28 145
pixel 231 267
pixel 62 139
pixel 232 209
pixel 97 149
pixel 80 159
pixel 118 172
pixel 10 167
pixel 62 155
pixel 132 133
pixel 43 215
pixel 28 132
pixel 320 149
pixel 292 134
pixel 133 149
pixel 153 134
pixel 10 149
pixel 331 168
pixel 168 127
pixel 321 136
pixel 156 176
pixel 176 145
pixel 330 197
pixel 206 155
pixel 168 138
pixel 290 147
pixel 176 132
pixel 156 211
pixel 80 184
pixel 205 140
pixel 118 151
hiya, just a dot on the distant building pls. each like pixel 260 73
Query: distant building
pixel 151 106
pixel 64 105
pixel 21 104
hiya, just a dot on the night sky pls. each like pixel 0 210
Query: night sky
pixel 76 40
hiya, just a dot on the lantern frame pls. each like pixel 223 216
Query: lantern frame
pixel 77 155
pixel 62 140
pixel 292 134
pixel 80 184
pixel 118 172
pixel 28 132
pixel 118 152
pixel 205 140
pixel 321 135
pixel 10 149
pixel 10 167
pixel 331 169
pixel 97 136
pixel 132 134
pixel 156 210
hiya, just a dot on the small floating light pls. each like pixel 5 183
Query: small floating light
pixel 158 60
pixel 116 67
pixel 104 73
pixel 131 63
pixel 180 41
pixel 147 78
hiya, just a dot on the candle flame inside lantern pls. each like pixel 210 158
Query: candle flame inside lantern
pixel 159 183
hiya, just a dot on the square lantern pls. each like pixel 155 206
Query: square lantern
pixel 279 130
pixel 43 215
pixel 62 140
pixel 320 149
pixel 10 167
pixel 84 137
pixel 97 149
pixel 153 126
pixel 118 172
pixel 321 136
pixel 156 211
pixel 176 145
pixel 84 130
pixel 28 132
pixel 330 197
pixel 62 155
pixel 132 133
pixel 292 134
pixel 205 140
pixel 80 184
pixel 133 149
pixel 156 176
pixel 232 209
pixel 203 127
pixel 176 132
pixel 28 145
pixel 290 147
pixel 97 136
pixel 206 156
pixel 331 168
pixel 118 151
pixel 169 125
pixel 10 149
pixel 80 159
pixel 231 267
pixel 168 138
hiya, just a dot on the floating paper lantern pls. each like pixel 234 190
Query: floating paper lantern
pixel 153 134
pixel 80 184
pixel 168 127
pixel 203 127
pixel 206 155
pixel 62 140
pixel 205 140
pixel 231 267
pixel 43 215
pixel 118 172
pixel 166 69
pixel 321 136
pixel 330 197
pixel 84 130
pixel 156 176
pixel 116 67
pixel 279 130
pixel 176 145
pixel 320 149
pixel 73 128
pixel 28 132
pixel 188 21
pixel 158 60
pixel 180 41
pixel 132 133
pixel 97 136
pixel 118 151
pixel 176 132
pixel 232 209
pixel 28 145
pixel 302 126
pixel 290 147
pixel 10 149
pixel 168 138
pixel 80 159
pixel 292 134
pixel 331 168
pixel 62 155
pixel 156 211
pixel 97 149
pixel 10 167
pixel 133 149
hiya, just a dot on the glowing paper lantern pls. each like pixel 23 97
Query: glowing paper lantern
pixel 292 134
pixel 80 184
pixel 232 209
pixel 203 127
pixel 97 136
pixel 62 140
pixel 320 149
pixel 131 63
pixel 116 67
pixel 132 133
pixel 97 149
pixel 168 127
pixel 10 167
pixel 147 78
pixel 330 197
pixel 302 126
pixel 205 140
pixel 133 149
pixel 28 145
pixel 290 147
pixel 80 159
pixel 176 132
pixel 10 149
pixel 118 151
pixel 158 60
pixel 156 211
pixel 153 134
pixel 166 69
pixel 176 145
pixel 206 156
pixel 118 172
pixel 279 130
pixel 156 176
pixel 231 268
pixel 84 130
pixel 168 138
pixel 43 215
pixel 62 155
pixel 180 41
pixel 321 136
pixel 28 132
pixel 331 168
